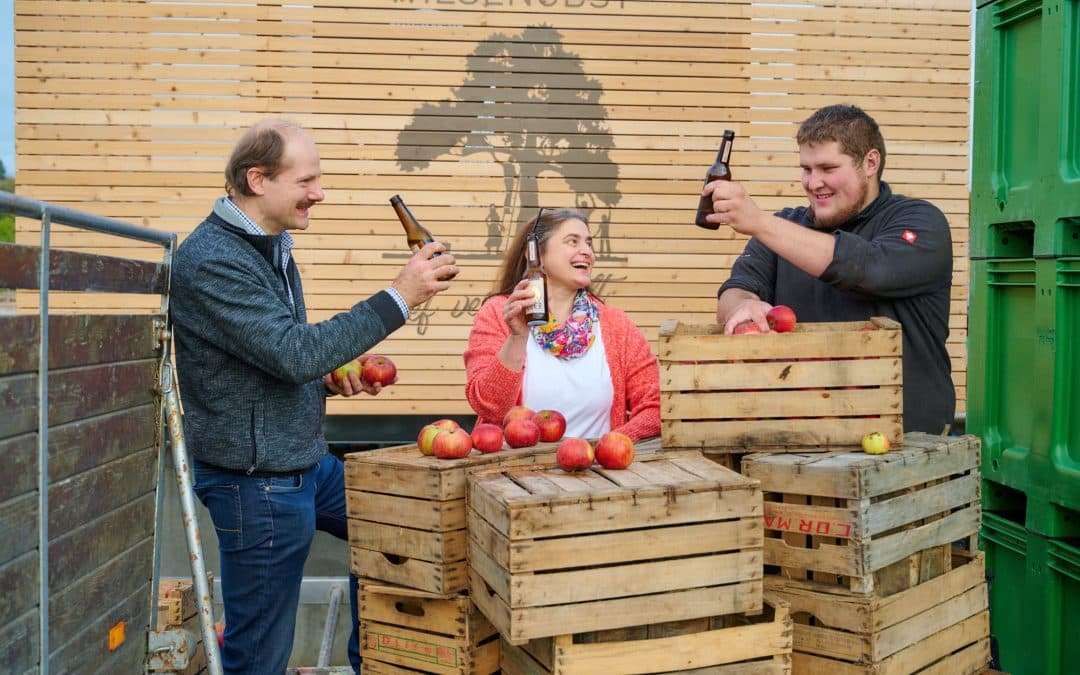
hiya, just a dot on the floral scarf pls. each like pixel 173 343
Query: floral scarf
pixel 576 335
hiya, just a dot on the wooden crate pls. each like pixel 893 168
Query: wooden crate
pixel 406 512
pixel 674 536
pixel 734 644
pixel 416 631
pixel 940 626
pixel 871 523
pixel 177 609
pixel 822 385
pixel 176 601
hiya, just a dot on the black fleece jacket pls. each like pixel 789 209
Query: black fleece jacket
pixel 894 259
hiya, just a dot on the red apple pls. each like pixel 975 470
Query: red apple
pixel 521 433
pixel 452 444
pixel 341 373
pixel 518 412
pixel 746 328
pixel 574 454
pixel 446 423
pixel 781 319
pixel 487 437
pixel 378 370
pixel 426 438
pixel 615 450
pixel 552 425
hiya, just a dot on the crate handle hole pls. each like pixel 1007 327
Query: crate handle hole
pixel 1001 205
pixel 395 559
pixel 994 463
pixel 410 608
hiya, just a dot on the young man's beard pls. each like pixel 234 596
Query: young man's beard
pixel 843 216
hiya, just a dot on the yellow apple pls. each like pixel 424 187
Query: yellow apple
pixel 875 443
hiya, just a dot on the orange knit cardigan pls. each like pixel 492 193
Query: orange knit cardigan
pixel 492 388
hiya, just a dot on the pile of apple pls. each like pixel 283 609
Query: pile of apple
pixel 613 451
pixel 521 428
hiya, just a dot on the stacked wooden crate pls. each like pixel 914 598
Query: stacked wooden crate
pixel 821 386
pixel 862 547
pixel 177 609
pixel 873 554
pixel 651 569
pixel 407 542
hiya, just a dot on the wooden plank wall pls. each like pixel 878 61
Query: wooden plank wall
pixel 102 485
pixel 477 111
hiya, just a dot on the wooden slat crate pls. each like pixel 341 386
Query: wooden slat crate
pixel 407 512
pixel 177 609
pixel 940 626
pixel 406 630
pixel 822 385
pixel 870 523
pixel 176 601
pixel 734 644
pixel 674 536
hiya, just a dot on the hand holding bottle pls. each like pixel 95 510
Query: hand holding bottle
pixel 427 273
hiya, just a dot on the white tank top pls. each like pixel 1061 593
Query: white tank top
pixel 579 388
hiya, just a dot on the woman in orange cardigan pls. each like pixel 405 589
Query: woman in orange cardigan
pixel 590 362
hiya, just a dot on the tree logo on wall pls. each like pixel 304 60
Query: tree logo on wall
pixel 514 85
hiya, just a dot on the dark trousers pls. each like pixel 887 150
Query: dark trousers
pixel 265 526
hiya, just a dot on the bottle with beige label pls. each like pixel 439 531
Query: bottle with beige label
pixel 537 313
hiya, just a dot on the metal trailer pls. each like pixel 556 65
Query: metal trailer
pixel 88 414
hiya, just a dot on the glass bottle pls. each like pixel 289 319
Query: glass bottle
pixel 416 234
pixel 718 171
pixel 537 313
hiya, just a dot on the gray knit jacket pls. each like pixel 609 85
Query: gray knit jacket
pixel 249 365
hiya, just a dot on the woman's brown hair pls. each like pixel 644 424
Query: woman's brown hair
pixel 513 266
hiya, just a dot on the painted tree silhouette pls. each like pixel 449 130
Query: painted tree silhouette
pixel 511 82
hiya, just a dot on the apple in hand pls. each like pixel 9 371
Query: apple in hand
pixel 426 438
pixel 552 425
pixel 875 443
pixel 378 370
pixel 746 328
pixel 341 373
pixel 781 319
pixel 521 433
pixel 615 450
pixel 518 412
pixel 487 437
pixel 452 444
pixel 574 454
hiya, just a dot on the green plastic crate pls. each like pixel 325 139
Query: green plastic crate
pixel 1026 125
pixel 1059 160
pixel 1062 293
pixel 1002 354
pixel 1063 563
pixel 1034 597
pixel 1006 123
pixel 1013 623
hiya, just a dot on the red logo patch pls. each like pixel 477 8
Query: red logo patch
pixel 909 236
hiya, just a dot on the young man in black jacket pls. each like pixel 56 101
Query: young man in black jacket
pixel 254 375
pixel 856 251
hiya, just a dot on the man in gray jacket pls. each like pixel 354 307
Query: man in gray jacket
pixel 253 376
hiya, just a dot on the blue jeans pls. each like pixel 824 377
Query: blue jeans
pixel 265 526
